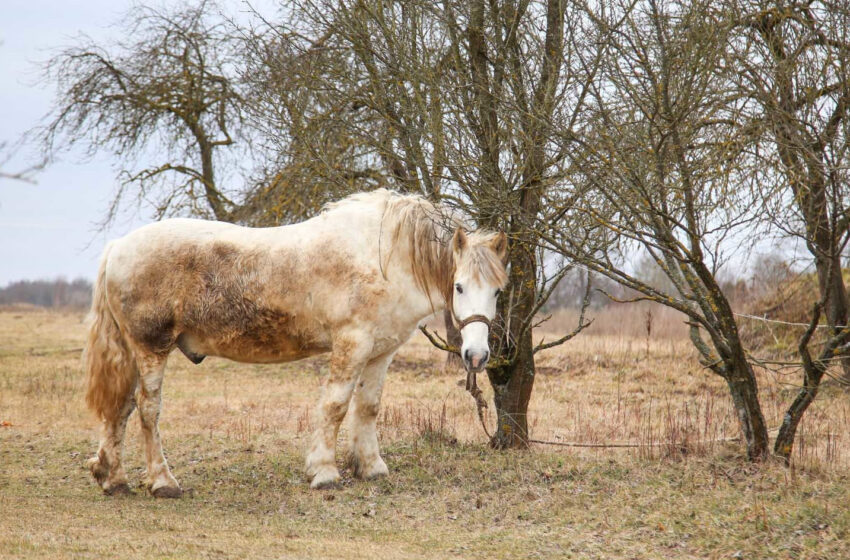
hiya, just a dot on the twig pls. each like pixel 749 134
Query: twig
pixel 637 299
pixel 581 324
pixel 439 341
pixel 563 339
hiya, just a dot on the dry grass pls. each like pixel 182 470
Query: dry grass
pixel 235 435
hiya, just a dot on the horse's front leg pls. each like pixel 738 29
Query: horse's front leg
pixel 364 436
pixel 348 357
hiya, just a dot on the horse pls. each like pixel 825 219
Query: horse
pixel 355 281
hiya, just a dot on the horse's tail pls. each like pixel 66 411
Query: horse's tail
pixel 112 371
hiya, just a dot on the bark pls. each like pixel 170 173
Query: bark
pixel 512 386
pixel 213 197
pixel 735 367
pixel 744 390
pixel 834 293
pixel 813 372
pixel 788 429
pixel 512 382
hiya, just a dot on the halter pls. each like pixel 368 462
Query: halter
pixel 471 383
pixel 471 319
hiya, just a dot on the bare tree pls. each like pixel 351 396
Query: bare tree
pixel 458 101
pixel 311 155
pixel 789 61
pixel 165 91
pixel 657 172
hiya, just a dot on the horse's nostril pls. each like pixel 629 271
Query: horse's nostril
pixel 486 357
pixel 466 355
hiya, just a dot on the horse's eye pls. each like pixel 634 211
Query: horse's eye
pixel 459 288
pixel 498 291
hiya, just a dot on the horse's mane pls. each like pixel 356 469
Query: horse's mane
pixel 427 228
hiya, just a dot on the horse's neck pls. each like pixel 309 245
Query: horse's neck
pixel 422 303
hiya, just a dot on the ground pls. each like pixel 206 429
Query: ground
pixel 234 435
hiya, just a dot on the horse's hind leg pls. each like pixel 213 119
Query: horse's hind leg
pixel 348 357
pixel 364 436
pixel 106 466
pixel 159 479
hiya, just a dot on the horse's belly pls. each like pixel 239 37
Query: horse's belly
pixel 248 349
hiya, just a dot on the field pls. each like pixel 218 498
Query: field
pixel 234 435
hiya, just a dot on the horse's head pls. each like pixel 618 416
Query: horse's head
pixel 479 265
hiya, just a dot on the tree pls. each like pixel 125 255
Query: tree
pixel 460 101
pixel 658 171
pixel 166 91
pixel 7 152
pixel 789 61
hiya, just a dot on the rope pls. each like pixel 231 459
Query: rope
pixel 481 405
pixel 630 445
pixel 633 445
pixel 766 320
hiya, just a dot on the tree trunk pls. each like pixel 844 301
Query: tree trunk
pixel 513 381
pixel 804 164
pixel 208 178
pixel 788 430
pixel 454 363
pixel 834 293
pixel 735 368
pixel 744 390
pixel 512 385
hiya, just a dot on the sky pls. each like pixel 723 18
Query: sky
pixel 50 229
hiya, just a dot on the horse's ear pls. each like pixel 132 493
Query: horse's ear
pixel 459 241
pixel 500 246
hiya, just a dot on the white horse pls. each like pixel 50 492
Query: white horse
pixel 354 281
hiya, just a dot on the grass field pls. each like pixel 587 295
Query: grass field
pixel 234 434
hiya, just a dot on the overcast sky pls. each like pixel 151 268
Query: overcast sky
pixel 50 229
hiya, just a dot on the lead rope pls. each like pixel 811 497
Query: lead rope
pixel 471 378
pixel 480 403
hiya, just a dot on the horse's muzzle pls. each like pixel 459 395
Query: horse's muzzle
pixel 475 361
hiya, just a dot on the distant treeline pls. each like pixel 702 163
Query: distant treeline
pixel 48 293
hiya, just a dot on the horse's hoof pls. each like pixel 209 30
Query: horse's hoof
pixel 375 474
pixel 326 485
pixel 327 477
pixel 167 492
pixel 118 490
pixel 377 469
pixel 98 470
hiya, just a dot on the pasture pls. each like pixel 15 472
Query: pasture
pixel 235 434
